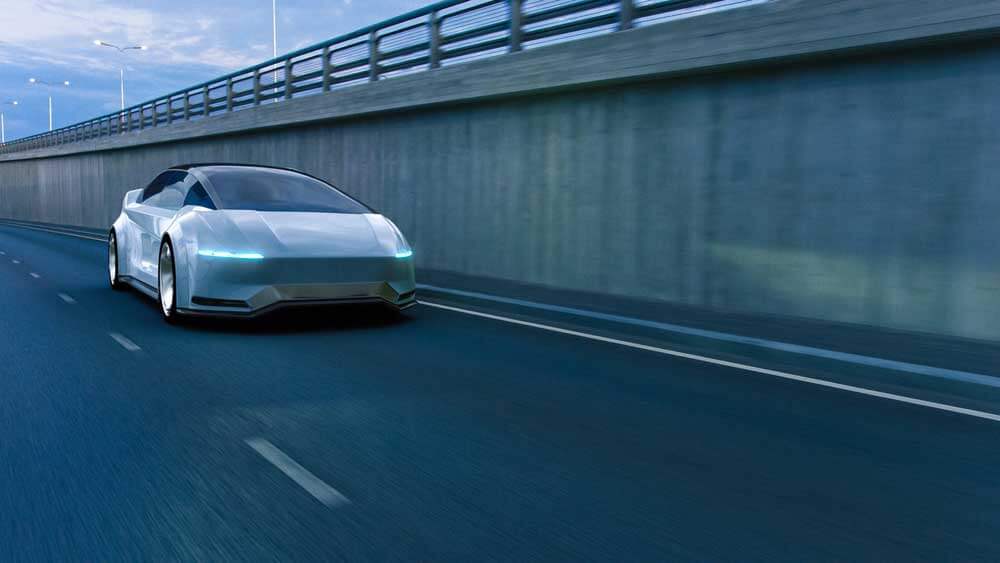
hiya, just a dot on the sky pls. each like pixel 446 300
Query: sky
pixel 189 41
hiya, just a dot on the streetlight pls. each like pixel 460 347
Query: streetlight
pixel 3 131
pixel 121 68
pixel 37 81
pixel 274 45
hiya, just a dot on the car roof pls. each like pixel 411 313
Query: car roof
pixel 236 164
pixel 197 165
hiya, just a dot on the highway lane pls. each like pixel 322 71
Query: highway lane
pixel 451 437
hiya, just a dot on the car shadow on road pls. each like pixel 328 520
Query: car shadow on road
pixel 324 318
pixel 290 320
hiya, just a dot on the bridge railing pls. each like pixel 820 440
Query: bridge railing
pixel 443 33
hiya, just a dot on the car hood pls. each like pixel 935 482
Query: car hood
pixel 297 233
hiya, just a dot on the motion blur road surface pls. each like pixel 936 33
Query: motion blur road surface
pixel 440 436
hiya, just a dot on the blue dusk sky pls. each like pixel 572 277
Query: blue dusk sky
pixel 189 41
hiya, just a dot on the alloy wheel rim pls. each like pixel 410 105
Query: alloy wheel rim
pixel 166 280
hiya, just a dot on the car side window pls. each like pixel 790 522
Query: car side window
pixel 198 196
pixel 156 186
pixel 171 194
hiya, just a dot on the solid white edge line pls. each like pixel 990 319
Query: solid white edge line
pixel 714 361
pixel 124 342
pixel 784 347
pixel 312 484
pixel 67 298
pixel 53 226
pixel 33 228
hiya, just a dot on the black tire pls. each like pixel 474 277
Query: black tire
pixel 113 262
pixel 166 282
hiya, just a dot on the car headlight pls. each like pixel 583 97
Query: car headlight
pixel 403 249
pixel 228 254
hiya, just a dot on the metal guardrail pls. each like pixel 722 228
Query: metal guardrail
pixel 443 33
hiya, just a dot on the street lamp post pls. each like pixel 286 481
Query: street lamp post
pixel 121 68
pixel 274 47
pixel 42 82
pixel 3 127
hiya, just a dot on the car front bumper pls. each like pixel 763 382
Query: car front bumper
pixel 227 287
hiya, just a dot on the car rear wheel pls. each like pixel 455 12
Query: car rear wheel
pixel 167 282
pixel 113 261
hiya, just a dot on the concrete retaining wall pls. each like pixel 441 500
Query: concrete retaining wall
pixel 861 190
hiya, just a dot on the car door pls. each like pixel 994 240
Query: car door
pixel 140 215
pixel 152 214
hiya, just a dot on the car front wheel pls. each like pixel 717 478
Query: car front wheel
pixel 167 282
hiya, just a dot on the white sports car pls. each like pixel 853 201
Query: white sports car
pixel 237 240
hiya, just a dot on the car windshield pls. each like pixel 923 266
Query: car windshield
pixel 270 189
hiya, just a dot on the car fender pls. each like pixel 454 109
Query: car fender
pixel 182 233
pixel 190 231
pixel 125 235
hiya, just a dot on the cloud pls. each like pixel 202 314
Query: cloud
pixel 60 32
pixel 190 41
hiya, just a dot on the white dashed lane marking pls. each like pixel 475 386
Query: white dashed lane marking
pixel 67 298
pixel 34 275
pixel 125 342
pixel 311 483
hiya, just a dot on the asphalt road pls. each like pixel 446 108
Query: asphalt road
pixel 441 437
